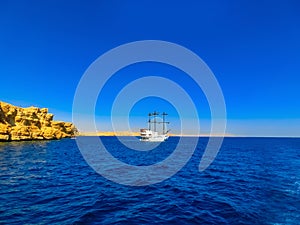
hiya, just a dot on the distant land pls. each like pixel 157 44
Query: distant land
pixel 109 133
pixel 136 134
pixel 130 133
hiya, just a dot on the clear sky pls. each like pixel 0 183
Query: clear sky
pixel 252 47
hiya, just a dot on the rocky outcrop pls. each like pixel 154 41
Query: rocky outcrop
pixel 31 123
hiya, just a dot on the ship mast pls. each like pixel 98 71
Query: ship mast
pixel 154 121
pixel 164 121
pixel 154 115
pixel 149 121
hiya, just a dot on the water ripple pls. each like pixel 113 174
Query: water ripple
pixel 252 181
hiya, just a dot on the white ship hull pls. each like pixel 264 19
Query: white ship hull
pixel 148 135
pixel 159 138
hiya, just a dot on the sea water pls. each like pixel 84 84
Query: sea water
pixel 251 181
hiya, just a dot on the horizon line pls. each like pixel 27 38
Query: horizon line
pixel 135 134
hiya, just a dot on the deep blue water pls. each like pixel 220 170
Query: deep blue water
pixel 252 181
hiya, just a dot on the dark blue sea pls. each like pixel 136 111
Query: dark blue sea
pixel 251 181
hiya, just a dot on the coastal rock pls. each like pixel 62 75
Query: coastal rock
pixel 31 123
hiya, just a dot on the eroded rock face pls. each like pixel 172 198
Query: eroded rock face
pixel 31 123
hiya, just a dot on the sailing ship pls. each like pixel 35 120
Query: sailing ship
pixel 153 135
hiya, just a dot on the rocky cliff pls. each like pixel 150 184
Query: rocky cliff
pixel 31 123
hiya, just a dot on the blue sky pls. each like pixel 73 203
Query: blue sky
pixel 252 47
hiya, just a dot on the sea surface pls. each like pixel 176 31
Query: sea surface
pixel 251 181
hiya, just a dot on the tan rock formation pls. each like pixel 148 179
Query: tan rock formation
pixel 31 123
